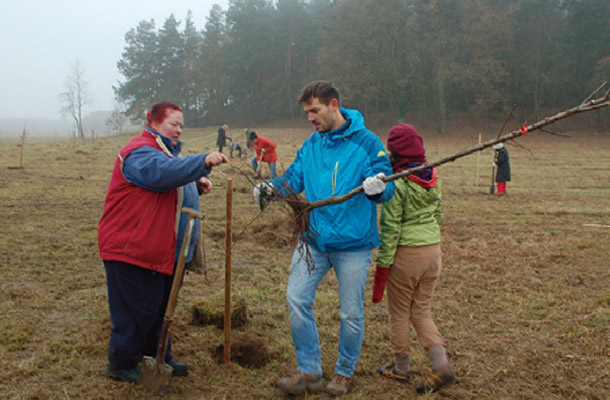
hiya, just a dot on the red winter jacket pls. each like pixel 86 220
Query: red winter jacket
pixel 263 143
pixel 139 226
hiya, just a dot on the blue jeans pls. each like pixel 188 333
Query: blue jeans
pixel 271 167
pixel 351 268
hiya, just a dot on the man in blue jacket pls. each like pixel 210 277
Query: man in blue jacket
pixel 338 157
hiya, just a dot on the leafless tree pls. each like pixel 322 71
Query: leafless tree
pixel 116 121
pixel 76 96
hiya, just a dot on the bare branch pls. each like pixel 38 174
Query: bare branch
pixel 589 105
pixel 302 209
pixel 595 91
pixel 506 121
pixel 521 146
pixel 555 133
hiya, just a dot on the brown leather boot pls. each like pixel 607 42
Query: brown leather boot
pixel 299 383
pixel 436 380
pixel 338 386
pixel 390 372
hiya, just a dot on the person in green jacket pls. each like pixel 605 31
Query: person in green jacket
pixel 409 260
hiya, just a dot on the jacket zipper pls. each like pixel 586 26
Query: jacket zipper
pixel 335 177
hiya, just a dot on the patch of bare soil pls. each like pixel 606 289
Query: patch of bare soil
pixel 247 349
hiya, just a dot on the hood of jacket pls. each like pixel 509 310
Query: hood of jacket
pixel 354 122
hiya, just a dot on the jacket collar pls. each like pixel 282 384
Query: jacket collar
pixel 174 150
pixel 426 184
pixel 353 123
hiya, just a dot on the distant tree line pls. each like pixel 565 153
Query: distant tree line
pixel 391 59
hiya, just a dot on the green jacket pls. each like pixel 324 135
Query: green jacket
pixel 412 217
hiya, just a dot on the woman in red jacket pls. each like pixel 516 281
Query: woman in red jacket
pixel 140 234
pixel 265 151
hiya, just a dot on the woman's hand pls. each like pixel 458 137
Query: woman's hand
pixel 215 158
pixel 205 184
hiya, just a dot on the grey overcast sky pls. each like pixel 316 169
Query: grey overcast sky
pixel 41 39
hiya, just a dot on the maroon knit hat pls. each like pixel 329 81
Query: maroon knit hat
pixel 404 141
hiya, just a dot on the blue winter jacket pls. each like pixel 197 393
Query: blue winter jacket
pixel 332 164
pixel 152 170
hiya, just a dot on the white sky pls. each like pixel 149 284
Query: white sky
pixel 41 39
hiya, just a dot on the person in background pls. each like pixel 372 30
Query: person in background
pixel 237 148
pixel 409 260
pixel 140 235
pixel 265 151
pixel 249 144
pixel 338 157
pixel 502 164
pixel 223 136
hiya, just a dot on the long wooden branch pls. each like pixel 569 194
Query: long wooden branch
pixel 589 104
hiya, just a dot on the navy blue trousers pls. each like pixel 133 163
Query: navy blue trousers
pixel 137 298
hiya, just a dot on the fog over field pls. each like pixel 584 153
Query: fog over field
pixel 56 127
pixel 41 40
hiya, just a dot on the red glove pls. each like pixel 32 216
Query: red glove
pixel 381 277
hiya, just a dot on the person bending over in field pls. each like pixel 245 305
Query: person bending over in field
pixel 140 235
pixel 339 156
pixel 236 147
pixel 409 260
pixel 265 151
pixel 249 145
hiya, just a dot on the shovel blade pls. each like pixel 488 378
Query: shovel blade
pixel 155 375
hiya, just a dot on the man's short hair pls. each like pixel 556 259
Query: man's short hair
pixel 325 91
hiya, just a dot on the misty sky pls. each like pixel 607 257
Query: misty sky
pixel 41 39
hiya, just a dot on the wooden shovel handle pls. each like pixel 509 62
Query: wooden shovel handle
pixel 192 213
pixel 177 283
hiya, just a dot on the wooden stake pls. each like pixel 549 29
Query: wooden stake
pixel 478 163
pixel 227 322
pixel 21 150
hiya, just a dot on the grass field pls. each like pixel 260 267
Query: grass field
pixel 523 303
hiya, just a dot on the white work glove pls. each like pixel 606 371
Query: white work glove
pixel 263 152
pixel 262 192
pixel 373 185
pixel 493 164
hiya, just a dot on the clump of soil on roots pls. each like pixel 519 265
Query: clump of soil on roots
pixel 285 228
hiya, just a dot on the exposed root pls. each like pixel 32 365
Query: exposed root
pixel 301 210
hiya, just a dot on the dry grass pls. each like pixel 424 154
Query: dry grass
pixel 523 302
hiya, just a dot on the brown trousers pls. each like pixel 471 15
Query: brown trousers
pixel 411 282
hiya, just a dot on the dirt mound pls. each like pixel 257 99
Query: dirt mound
pixel 211 312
